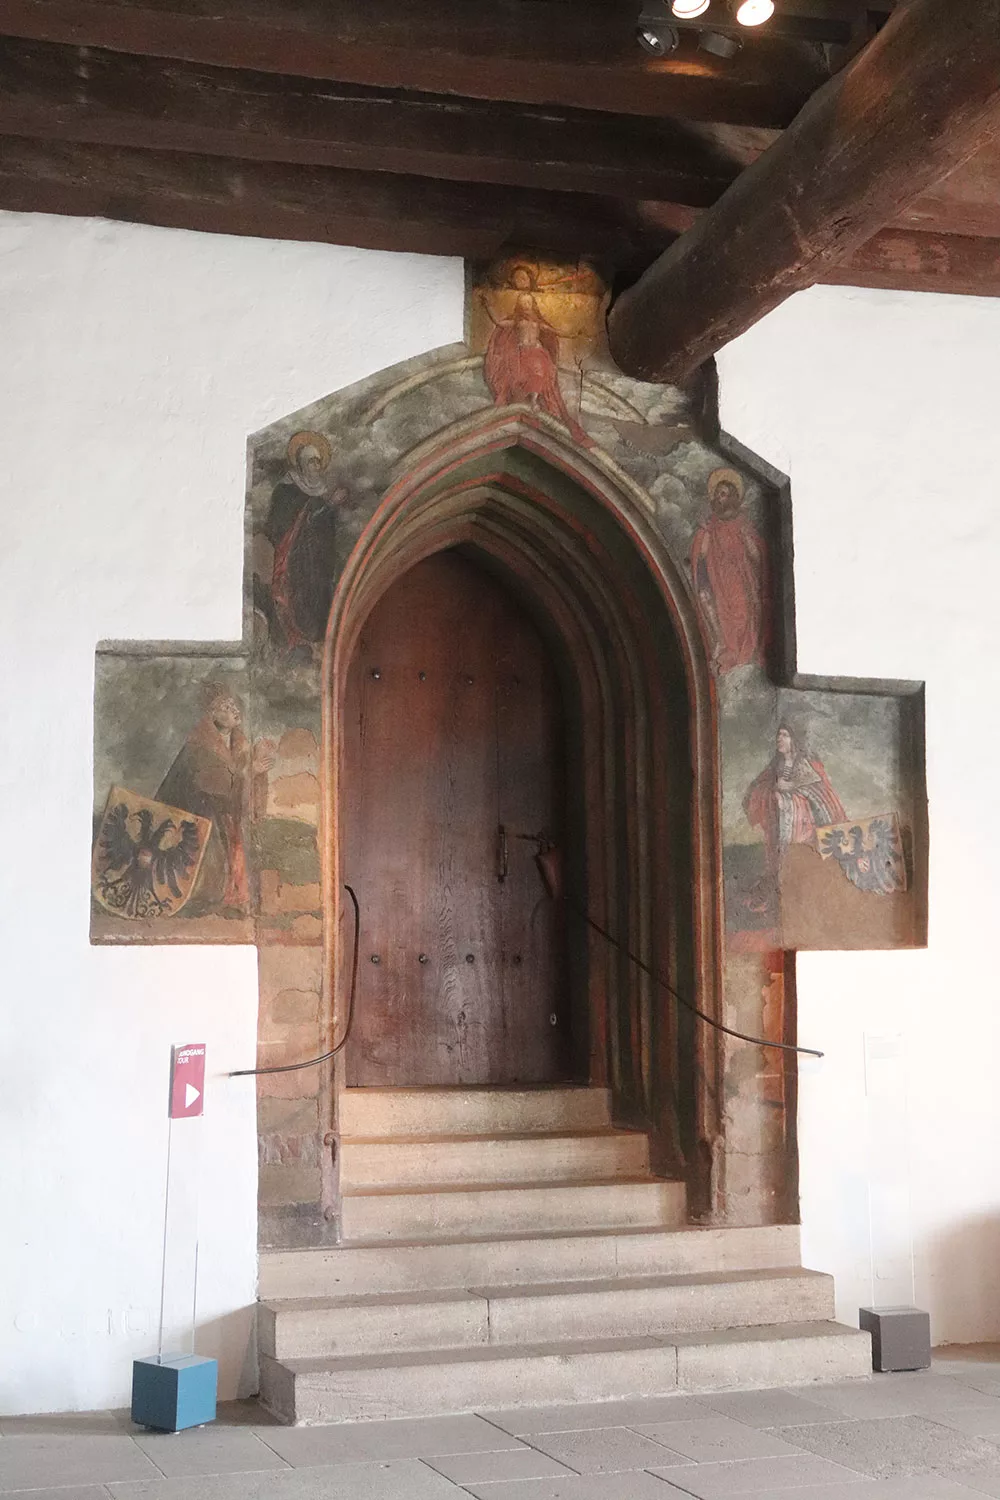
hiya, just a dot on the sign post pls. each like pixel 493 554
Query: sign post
pixel 171 1392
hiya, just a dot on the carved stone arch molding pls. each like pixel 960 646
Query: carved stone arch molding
pixel 730 812
pixel 572 534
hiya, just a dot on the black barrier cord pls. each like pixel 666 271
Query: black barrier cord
pixel 758 1041
pixel 742 1036
pixel 313 1062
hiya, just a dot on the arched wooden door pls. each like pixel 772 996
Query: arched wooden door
pixel 453 750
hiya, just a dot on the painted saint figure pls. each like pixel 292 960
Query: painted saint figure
pixel 301 526
pixel 521 364
pixel 790 799
pixel 212 777
pixel 729 569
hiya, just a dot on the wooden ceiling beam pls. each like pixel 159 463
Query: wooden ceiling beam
pixel 912 107
pixel 967 202
pixel 580 55
pixel 908 260
pixel 112 99
pixel 378 211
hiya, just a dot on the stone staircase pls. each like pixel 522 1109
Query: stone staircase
pixel 505 1247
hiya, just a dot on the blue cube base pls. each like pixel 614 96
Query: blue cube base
pixel 173 1393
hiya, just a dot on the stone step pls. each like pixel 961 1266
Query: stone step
pixel 408 1163
pixel 524 1207
pixel 788 1354
pixel 551 1312
pixel 439 1381
pixel 310 1327
pixel 657 1305
pixel 457 1111
pixel 510 1260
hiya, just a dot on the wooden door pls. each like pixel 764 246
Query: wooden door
pixel 453 729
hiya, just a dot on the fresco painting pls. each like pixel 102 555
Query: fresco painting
pixel 790 799
pixel 531 320
pixel 728 564
pixel 285 842
pixel 147 856
pixel 293 545
pixel 209 759
pixel 176 776
pixel 823 856
pixel 794 792
pixel 869 851
pixel 217 773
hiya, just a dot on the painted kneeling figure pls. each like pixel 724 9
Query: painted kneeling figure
pixel 212 776
pixel 790 799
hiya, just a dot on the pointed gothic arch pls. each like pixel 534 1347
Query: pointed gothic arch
pixel 575 539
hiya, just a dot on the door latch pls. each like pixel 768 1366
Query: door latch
pixel 503 854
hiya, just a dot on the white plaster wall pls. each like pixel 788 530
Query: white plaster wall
pixel 881 406
pixel 135 362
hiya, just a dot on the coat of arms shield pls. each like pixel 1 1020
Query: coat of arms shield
pixel 869 851
pixel 146 856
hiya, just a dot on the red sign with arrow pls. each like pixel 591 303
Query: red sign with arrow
pixel 187 1081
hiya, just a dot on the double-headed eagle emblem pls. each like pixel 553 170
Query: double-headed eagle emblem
pixel 869 851
pixel 147 856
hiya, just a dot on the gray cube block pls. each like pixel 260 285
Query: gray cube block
pixel 901 1337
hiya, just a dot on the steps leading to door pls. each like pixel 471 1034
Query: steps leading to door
pixel 370 1162
pixel 505 1247
pixel 512 1260
pixel 489 1378
pixel 444 1163
pixel 398 1113
pixel 523 1207
pixel 549 1312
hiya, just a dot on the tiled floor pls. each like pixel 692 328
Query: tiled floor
pixel 928 1436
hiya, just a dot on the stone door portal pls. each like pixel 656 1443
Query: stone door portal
pixel 453 758
pixel 615 577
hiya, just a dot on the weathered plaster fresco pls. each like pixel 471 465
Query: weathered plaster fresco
pixel 819 787
pixel 158 754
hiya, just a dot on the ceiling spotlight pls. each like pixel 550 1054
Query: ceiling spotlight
pixel 655 31
pixel 689 10
pixel 719 43
pixel 753 12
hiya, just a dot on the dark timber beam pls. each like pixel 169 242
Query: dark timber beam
pixel 378 211
pixel 967 202
pixel 902 260
pixel 576 53
pixel 915 104
pixel 112 99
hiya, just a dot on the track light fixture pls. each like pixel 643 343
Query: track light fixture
pixel 661 22
pixel 752 12
pixel 655 31
pixel 719 43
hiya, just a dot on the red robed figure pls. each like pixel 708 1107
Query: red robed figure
pixel 728 565
pixel 521 364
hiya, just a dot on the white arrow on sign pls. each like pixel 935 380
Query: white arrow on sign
pixel 190 1095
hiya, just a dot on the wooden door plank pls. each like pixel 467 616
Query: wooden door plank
pixel 420 803
pixel 531 793
pixel 421 770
